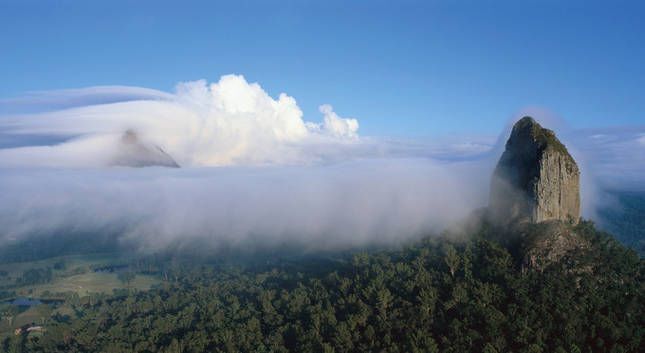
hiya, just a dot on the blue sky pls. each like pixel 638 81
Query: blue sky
pixel 401 68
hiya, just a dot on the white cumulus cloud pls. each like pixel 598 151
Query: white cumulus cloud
pixel 337 126
pixel 229 122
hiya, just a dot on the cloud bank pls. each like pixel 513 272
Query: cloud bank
pixel 254 171
pixel 347 204
pixel 230 122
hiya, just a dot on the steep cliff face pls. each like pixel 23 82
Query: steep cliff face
pixel 536 178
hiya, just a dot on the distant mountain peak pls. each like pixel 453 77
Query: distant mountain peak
pixel 132 152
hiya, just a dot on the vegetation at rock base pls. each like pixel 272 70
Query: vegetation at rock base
pixel 435 295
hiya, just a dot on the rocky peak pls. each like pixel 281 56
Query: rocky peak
pixel 536 179
pixel 132 152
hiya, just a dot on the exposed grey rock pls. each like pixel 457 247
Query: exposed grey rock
pixel 536 178
pixel 552 242
pixel 132 152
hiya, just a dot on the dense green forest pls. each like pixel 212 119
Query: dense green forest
pixel 435 295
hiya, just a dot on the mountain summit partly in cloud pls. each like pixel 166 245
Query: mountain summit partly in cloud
pixel 230 122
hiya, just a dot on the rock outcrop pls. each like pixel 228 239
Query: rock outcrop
pixel 552 242
pixel 132 152
pixel 536 179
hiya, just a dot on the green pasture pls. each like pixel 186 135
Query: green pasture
pixel 72 262
pixel 87 283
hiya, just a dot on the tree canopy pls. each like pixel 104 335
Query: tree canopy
pixel 436 295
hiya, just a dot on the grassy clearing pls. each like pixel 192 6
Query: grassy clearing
pixel 36 314
pixel 84 284
pixel 73 263
pixel 76 276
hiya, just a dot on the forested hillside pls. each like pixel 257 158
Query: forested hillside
pixel 434 295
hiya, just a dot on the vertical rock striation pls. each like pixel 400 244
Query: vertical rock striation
pixel 536 179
